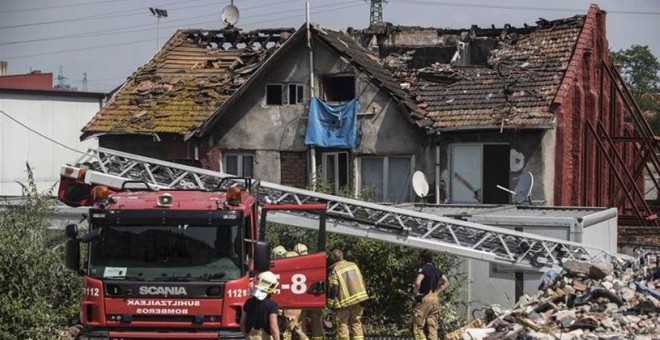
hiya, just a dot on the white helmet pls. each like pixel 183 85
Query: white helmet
pixel 278 252
pixel 266 284
pixel 301 249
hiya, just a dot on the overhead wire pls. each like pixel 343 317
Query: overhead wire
pixel 59 6
pixel 39 133
pixel 124 13
pixel 151 39
pixel 512 7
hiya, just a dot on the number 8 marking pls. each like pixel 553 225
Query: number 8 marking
pixel 298 285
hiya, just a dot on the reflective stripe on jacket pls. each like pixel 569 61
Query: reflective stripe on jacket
pixel 346 280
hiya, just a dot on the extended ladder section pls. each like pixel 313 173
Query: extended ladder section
pixel 353 217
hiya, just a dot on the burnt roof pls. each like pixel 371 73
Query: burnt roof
pixel 513 88
pixel 370 64
pixel 194 73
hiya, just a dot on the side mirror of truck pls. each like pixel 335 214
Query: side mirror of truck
pixel 71 231
pixel 261 257
pixel 73 255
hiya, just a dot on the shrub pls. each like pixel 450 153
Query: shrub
pixel 37 294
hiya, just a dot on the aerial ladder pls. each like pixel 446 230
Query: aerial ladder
pixel 351 216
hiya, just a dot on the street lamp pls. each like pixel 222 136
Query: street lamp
pixel 158 13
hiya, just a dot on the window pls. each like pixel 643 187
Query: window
pixel 334 169
pixel 469 183
pixel 296 92
pixel 238 165
pixel 389 177
pixel 274 94
pixel 338 88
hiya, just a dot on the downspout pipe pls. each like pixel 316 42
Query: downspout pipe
pixel 437 173
pixel 311 93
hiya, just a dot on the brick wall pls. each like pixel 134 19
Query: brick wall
pixel 293 169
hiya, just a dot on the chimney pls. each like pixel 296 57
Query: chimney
pixel 3 68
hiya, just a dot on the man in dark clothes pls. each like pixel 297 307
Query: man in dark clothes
pixel 259 317
pixel 430 281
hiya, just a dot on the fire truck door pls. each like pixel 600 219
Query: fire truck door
pixel 302 281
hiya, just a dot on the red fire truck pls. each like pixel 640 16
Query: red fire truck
pixel 179 264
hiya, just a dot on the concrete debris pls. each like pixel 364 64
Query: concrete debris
pixel 584 301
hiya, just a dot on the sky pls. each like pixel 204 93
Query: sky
pixel 109 39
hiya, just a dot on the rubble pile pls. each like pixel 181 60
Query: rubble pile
pixel 584 301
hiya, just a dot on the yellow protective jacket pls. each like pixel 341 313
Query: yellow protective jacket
pixel 346 286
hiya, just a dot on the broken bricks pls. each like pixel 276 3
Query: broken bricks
pixel 585 301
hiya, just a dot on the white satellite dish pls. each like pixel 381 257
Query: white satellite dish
pixel 230 15
pixel 420 184
pixel 523 189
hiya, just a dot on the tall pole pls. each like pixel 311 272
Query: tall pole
pixel 158 13
pixel 376 11
pixel 311 90
pixel 157 32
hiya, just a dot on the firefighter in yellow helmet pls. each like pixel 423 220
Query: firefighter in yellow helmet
pixel 315 315
pixel 278 252
pixel 292 317
pixel 259 317
pixel 346 292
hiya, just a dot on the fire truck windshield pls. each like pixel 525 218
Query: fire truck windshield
pixel 167 253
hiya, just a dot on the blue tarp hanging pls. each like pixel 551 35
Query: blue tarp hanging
pixel 331 125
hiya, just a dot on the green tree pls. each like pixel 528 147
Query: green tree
pixel 37 294
pixel 639 68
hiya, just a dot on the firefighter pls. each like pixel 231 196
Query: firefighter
pixel 292 317
pixel 313 314
pixel 278 252
pixel 346 293
pixel 259 317
pixel 430 282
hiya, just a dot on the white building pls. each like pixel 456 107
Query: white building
pixel 35 117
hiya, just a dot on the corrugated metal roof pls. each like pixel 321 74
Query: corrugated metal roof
pixel 503 214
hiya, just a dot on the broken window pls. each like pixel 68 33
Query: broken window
pixel 334 169
pixel 469 183
pixel 338 88
pixel 296 92
pixel 238 164
pixel 274 94
pixel 388 178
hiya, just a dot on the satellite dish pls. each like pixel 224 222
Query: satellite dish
pixel 524 187
pixel 420 184
pixel 230 15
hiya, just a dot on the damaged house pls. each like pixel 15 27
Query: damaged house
pixel 473 109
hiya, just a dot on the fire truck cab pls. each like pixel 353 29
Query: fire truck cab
pixel 179 264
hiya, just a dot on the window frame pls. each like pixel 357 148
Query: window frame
pixel 324 163
pixel 300 93
pixel 239 167
pixel 338 75
pixel 386 173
